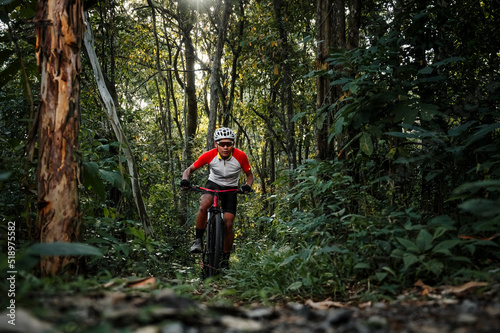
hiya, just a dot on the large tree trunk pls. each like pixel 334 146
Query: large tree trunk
pixel 59 30
pixel 120 136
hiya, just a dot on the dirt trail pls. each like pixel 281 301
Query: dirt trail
pixel 164 311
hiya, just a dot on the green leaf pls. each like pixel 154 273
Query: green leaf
pixel 426 70
pixel 366 144
pixel 4 17
pixel 397 253
pixel 341 81
pixel 443 221
pixel 320 119
pixel 412 135
pixel 121 250
pixel 5 2
pixel 445 245
pixel 460 258
pixel 295 286
pixel 113 177
pixel 361 265
pixel 428 111
pixel 289 259
pixel 380 276
pixel 456 131
pixel 472 187
pixel 5 175
pixel 339 125
pixel 9 72
pixel 447 61
pixel 424 240
pixel 405 113
pixel 484 130
pixel 330 249
pixel 403 160
pixel 408 244
pixel 481 207
pixel 409 259
pixel 91 178
pixel 298 116
pixel 445 252
pixel 138 233
pixel 388 269
pixel 434 266
pixel 63 249
pixel 439 232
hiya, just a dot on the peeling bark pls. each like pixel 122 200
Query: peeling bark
pixel 59 30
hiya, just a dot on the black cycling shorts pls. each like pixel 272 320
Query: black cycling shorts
pixel 228 200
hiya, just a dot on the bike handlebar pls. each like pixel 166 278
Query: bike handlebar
pixel 197 188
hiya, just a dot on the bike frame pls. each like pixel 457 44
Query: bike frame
pixel 214 245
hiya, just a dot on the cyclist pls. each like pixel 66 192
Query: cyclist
pixel 225 164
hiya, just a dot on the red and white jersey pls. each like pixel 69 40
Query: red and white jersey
pixel 224 172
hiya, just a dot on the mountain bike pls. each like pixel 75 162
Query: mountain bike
pixel 214 245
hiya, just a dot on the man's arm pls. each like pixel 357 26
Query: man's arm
pixel 188 171
pixel 185 176
pixel 249 180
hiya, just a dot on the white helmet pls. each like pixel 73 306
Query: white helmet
pixel 223 133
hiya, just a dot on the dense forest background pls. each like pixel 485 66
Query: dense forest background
pixel 371 126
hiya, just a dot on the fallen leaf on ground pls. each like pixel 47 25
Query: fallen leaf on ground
pixel 324 305
pixel 480 238
pixel 425 288
pixel 464 287
pixel 146 283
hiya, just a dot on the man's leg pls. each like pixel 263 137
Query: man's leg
pixel 228 232
pixel 201 222
pixel 228 239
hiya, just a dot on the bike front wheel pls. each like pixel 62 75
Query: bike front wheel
pixel 216 241
pixel 215 245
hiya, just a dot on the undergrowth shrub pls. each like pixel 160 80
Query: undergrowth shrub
pixel 262 271
pixel 316 247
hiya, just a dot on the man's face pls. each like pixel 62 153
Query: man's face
pixel 224 147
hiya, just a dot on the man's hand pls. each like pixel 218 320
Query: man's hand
pixel 246 189
pixel 185 183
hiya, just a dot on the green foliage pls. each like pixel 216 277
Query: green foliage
pixel 62 249
pixel 313 235
pixel 127 251
pixel 411 193
pixel 264 272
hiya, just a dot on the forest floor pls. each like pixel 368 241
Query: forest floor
pixel 143 306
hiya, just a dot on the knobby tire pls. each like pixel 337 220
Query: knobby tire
pixel 210 247
pixel 214 246
pixel 219 243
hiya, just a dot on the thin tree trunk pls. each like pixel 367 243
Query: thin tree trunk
pixel 354 24
pixel 215 92
pixel 115 124
pixel 165 116
pixel 59 30
pixel 286 86
pixel 236 48
pixel 324 21
pixel 186 25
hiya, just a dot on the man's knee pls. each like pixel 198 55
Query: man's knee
pixel 205 203
pixel 229 220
